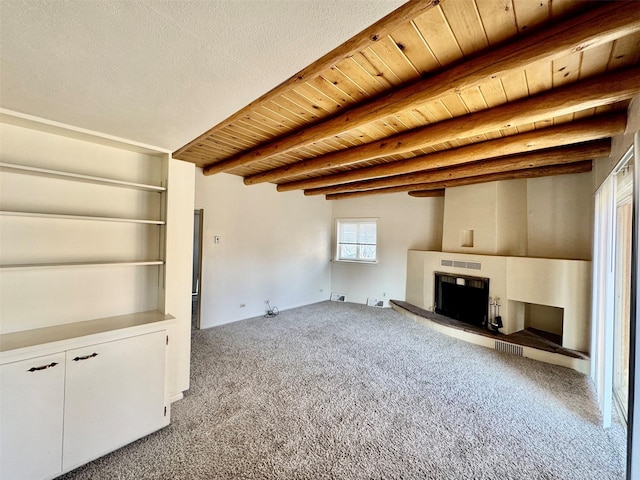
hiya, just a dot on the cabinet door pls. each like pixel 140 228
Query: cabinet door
pixel 31 404
pixel 114 394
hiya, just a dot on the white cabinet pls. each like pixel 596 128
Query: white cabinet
pixel 114 393
pixel 68 408
pixel 31 417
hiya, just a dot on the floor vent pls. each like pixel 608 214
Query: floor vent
pixel 509 348
pixel 374 302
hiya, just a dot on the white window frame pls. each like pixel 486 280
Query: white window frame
pixel 337 243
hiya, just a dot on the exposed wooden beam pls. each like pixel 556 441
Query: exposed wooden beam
pixel 542 158
pixel 601 25
pixel 594 92
pixel 358 42
pixel 428 193
pixel 580 167
pixel 580 131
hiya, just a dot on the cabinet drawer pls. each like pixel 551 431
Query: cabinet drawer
pixel 31 403
pixel 114 394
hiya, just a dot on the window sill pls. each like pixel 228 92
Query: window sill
pixel 358 262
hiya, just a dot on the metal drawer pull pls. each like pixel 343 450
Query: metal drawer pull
pixel 43 367
pixel 86 357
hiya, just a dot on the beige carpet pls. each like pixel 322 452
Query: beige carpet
pixel 347 391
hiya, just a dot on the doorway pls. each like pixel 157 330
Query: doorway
pixel 622 284
pixel 196 288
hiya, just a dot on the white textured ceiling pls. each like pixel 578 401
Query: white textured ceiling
pixel 162 72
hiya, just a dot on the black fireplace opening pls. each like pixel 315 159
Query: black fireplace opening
pixel 462 297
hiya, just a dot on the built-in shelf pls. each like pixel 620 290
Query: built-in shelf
pixel 39 337
pixel 79 264
pixel 78 177
pixel 80 217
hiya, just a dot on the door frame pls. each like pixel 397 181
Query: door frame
pixel 197 249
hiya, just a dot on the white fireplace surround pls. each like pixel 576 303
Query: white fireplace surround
pixel 518 281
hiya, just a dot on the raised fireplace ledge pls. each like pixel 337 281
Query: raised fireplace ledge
pixel 557 283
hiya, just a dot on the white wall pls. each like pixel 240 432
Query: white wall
pixel 560 216
pixel 512 228
pixel 404 223
pixel 273 246
pixel 279 246
pixel 496 212
pixel 178 265
pixel 549 217
pixel 472 207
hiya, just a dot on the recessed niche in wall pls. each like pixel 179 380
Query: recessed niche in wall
pixel 467 238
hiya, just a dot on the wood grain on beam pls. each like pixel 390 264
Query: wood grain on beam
pixel 580 167
pixel 542 158
pixel 594 92
pixel 428 193
pixel 601 25
pixel 579 131
pixel 358 42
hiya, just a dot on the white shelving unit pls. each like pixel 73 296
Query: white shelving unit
pixel 71 200
pixel 94 248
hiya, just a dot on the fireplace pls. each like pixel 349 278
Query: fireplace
pixel 462 297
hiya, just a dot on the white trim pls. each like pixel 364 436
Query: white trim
pixel 623 161
pixel 633 445
pixel 42 124
pixel 603 297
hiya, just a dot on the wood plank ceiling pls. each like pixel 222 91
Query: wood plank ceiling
pixel 442 93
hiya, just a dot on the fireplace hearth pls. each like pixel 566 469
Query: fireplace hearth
pixel 462 297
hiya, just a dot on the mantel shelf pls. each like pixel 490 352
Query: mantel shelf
pixel 78 177
pixel 25 266
pixel 79 217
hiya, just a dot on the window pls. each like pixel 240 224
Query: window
pixel 357 240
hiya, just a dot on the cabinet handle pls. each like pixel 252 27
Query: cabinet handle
pixel 43 367
pixel 86 357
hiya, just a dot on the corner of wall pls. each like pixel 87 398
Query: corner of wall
pixel 620 144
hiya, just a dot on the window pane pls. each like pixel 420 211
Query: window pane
pixel 347 252
pixel 368 252
pixel 348 233
pixel 367 233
